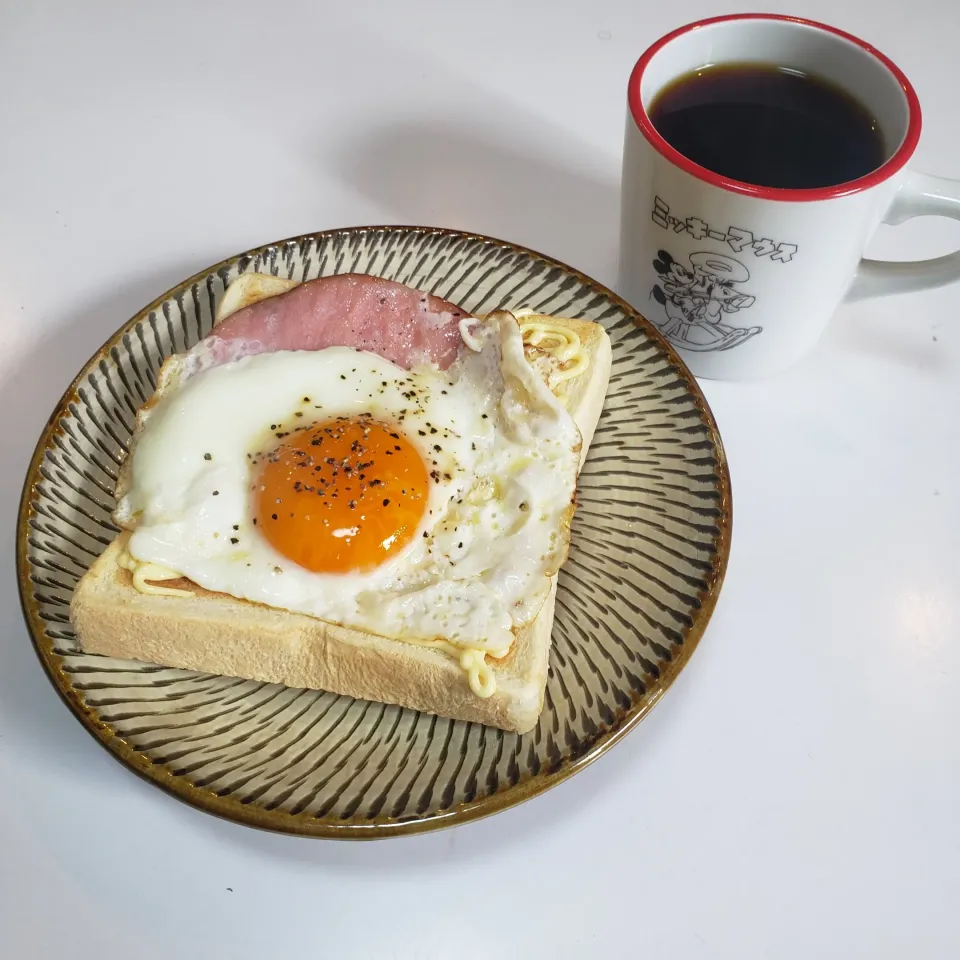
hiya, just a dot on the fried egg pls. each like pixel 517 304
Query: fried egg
pixel 425 504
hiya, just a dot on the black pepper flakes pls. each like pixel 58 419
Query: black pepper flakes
pixel 209 456
pixel 234 540
pixel 216 493
pixel 273 515
pixel 386 503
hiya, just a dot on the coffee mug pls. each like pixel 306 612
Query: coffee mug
pixel 742 279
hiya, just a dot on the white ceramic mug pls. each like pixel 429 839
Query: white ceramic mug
pixel 743 279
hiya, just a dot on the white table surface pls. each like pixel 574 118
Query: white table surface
pixel 795 795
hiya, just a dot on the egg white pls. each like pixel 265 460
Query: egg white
pixel 497 511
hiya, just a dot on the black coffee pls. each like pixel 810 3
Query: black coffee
pixel 768 126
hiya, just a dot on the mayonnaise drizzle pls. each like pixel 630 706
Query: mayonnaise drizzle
pixel 152 572
pixel 562 344
pixel 472 661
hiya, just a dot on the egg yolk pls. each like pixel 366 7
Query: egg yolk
pixel 341 496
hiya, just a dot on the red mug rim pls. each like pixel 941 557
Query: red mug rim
pixel 886 170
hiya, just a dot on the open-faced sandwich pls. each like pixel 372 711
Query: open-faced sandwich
pixel 354 486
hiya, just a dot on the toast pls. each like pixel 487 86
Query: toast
pixel 220 634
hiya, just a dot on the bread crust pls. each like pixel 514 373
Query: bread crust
pixel 219 634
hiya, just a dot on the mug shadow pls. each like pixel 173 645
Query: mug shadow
pixel 442 174
pixel 32 716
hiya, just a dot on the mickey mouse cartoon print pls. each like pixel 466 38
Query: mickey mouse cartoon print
pixel 696 300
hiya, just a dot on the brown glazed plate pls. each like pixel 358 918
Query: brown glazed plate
pixel 650 544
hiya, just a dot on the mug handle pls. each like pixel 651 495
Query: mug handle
pixel 920 196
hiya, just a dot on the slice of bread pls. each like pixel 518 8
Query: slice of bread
pixel 216 633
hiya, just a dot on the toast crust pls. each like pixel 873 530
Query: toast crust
pixel 219 634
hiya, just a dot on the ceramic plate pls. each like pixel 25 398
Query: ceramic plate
pixel 650 544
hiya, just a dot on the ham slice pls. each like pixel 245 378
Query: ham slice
pixel 397 322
